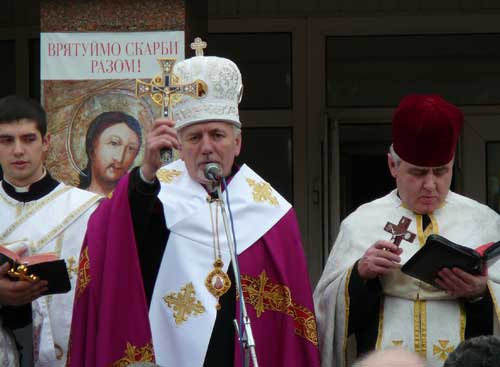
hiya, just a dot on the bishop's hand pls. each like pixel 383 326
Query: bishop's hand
pixel 162 136
pixel 379 259
pixel 20 292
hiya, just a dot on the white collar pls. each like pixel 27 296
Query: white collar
pixel 26 188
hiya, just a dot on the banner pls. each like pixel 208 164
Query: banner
pixel 97 124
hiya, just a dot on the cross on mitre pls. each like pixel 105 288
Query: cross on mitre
pixel 400 231
pixel 198 46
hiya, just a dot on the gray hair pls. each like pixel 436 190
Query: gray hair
pixel 395 157
pixel 236 130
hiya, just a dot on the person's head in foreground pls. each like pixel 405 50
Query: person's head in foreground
pixel 208 124
pixel 481 351
pixel 391 357
pixel 425 131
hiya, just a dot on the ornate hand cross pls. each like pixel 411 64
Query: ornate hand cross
pixel 165 89
pixel 400 232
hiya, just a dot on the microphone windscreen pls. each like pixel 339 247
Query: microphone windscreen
pixel 213 171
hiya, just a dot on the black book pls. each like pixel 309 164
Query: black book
pixel 439 253
pixel 41 266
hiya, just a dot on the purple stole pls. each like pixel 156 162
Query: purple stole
pixel 110 326
pixel 278 298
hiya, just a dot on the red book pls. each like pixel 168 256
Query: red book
pixel 41 266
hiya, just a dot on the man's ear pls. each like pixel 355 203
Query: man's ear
pixel 46 142
pixel 393 166
pixel 238 141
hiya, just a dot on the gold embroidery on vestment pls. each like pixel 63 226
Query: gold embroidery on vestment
pixel 262 192
pixel 72 269
pixel 168 175
pixel 69 219
pixel 184 303
pixel 68 356
pixel 39 204
pixel 463 320
pixel 443 349
pixel 397 343
pixel 423 329
pixel 420 327
pixel 493 298
pixel 83 273
pixel 347 302
pixel 378 344
pixel 264 295
pixel 135 354
pixel 59 351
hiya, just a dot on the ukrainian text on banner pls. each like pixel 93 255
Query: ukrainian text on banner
pixel 98 126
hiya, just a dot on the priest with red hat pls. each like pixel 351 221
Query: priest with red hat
pixel 364 296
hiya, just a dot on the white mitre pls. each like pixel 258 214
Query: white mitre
pixel 224 90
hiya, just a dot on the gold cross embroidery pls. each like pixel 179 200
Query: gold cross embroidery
pixel 184 303
pixel 262 294
pixel 265 295
pixel 167 175
pixel 135 354
pixel 443 349
pixel 83 272
pixel 262 192
pixel 397 343
pixel 72 269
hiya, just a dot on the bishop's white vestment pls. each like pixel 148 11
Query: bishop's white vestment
pixel 412 314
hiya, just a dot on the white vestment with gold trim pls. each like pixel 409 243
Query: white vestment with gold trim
pixel 55 223
pixel 189 256
pixel 413 314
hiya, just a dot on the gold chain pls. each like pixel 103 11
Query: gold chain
pixel 215 228
pixel 217 281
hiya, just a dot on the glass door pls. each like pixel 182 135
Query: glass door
pixel 479 158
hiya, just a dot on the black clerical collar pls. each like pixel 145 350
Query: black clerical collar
pixel 37 190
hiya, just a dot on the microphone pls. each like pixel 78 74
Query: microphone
pixel 213 171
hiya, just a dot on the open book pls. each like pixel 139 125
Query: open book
pixel 41 266
pixel 438 253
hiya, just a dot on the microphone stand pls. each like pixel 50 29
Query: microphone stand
pixel 246 339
